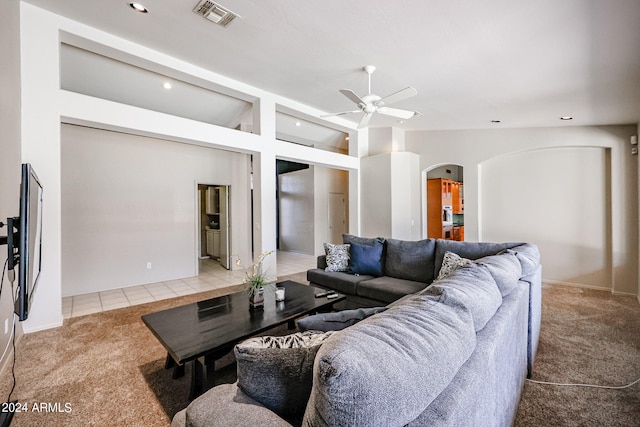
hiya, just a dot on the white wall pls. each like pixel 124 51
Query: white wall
pixel 297 211
pixel 326 181
pixel 477 150
pixel 564 212
pixel 375 202
pixel 391 195
pixel 128 200
pixel 304 207
pixel 10 158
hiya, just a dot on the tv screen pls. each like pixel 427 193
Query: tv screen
pixel 29 240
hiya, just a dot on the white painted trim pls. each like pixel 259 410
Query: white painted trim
pixel 579 285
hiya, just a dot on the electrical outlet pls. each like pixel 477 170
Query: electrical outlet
pixel 149 266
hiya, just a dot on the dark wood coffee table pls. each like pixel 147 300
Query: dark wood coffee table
pixel 209 329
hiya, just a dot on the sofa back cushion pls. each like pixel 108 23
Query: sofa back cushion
pixel 410 260
pixel 471 287
pixel 369 241
pixel 529 256
pixel 505 269
pixel 386 369
pixel 469 250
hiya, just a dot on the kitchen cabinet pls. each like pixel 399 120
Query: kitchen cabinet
pixel 457 198
pixel 212 201
pixel 458 233
pixel 213 243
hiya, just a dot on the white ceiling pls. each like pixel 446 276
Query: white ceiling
pixel 525 62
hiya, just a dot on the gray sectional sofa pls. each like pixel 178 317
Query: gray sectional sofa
pixel 453 353
pixel 408 267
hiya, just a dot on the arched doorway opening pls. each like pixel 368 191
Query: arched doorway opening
pixel 443 195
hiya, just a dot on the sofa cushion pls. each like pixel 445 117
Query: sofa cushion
pixel 471 287
pixel 366 259
pixel 410 260
pixel 278 371
pixel 338 320
pixel 226 405
pixel 529 256
pixel 342 282
pixel 388 368
pixel 469 250
pixel 450 263
pixel 369 241
pixel 505 269
pixel 337 257
pixel 388 289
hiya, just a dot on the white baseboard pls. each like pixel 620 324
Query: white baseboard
pixel 576 285
pixel 597 288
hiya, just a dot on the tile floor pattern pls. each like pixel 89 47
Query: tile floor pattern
pixel 212 276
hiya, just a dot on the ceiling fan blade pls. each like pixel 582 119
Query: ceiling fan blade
pixel 365 120
pixel 405 93
pixel 341 113
pixel 352 96
pixel 396 112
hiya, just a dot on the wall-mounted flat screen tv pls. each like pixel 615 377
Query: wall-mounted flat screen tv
pixel 25 245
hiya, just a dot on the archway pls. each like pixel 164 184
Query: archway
pixel 443 202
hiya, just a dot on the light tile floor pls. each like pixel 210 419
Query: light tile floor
pixel 212 276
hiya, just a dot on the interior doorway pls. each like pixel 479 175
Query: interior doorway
pixel 337 216
pixel 214 223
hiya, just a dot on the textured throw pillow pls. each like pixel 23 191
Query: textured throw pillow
pixel 366 259
pixel 450 263
pixel 278 371
pixel 336 321
pixel 337 257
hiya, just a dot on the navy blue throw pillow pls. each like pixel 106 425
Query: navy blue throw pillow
pixel 366 259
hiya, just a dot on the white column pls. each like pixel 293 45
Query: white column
pixel 41 147
pixel 264 183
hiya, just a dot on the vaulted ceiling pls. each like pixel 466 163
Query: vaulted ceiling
pixel 525 63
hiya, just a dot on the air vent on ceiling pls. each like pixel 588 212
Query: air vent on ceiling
pixel 215 13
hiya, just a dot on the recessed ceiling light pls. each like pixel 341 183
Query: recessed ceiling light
pixel 166 85
pixel 139 7
pixel 496 121
pixel 298 124
pixel 401 121
pixel 566 118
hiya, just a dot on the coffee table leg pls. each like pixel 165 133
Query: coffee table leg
pixel 169 363
pixel 196 379
pixel 210 367
pixel 178 370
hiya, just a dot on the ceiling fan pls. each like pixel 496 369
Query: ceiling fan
pixel 371 103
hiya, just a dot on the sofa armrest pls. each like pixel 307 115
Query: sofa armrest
pixel 226 405
pixel 321 263
pixel 535 315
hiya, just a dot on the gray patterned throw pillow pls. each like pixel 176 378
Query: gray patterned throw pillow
pixel 450 263
pixel 278 371
pixel 337 257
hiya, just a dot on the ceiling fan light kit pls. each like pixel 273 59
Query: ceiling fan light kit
pixel 372 103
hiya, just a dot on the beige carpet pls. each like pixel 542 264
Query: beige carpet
pixel 590 337
pixel 110 369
